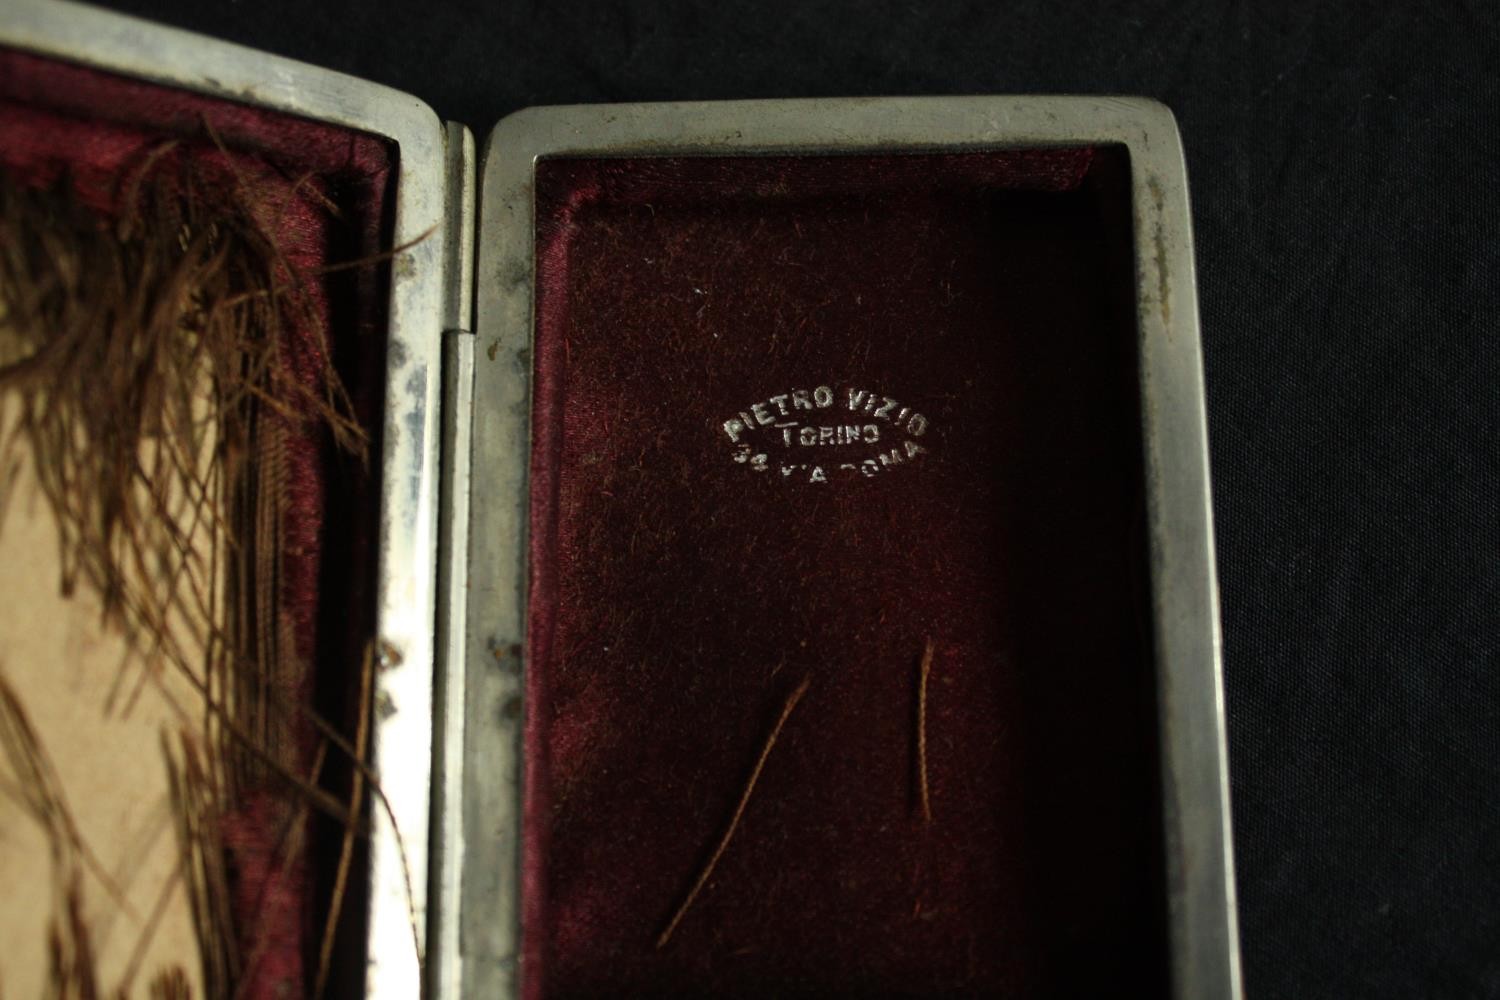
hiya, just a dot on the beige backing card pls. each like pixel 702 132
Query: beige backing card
pixel 100 715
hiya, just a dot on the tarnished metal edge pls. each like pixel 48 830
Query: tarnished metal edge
pixel 1202 925
pixel 402 727
pixel 444 923
pixel 497 587
pixel 1203 916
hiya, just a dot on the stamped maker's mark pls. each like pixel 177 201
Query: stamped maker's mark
pixel 813 435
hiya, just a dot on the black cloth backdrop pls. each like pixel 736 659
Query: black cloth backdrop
pixel 1343 159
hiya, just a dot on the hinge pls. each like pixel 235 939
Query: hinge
pixel 444 927
pixel 458 309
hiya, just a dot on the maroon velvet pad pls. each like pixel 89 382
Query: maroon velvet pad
pixel 323 194
pixel 679 596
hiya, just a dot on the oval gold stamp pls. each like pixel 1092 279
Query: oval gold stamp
pixel 817 435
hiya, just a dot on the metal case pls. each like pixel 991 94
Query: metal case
pixel 451 588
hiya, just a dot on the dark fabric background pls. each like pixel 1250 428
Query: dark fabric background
pixel 1343 164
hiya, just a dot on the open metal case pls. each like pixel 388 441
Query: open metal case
pixel 453 556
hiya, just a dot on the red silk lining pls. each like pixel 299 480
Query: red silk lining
pixel 679 595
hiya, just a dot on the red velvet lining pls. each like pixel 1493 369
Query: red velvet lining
pixel 324 194
pixel 678 596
